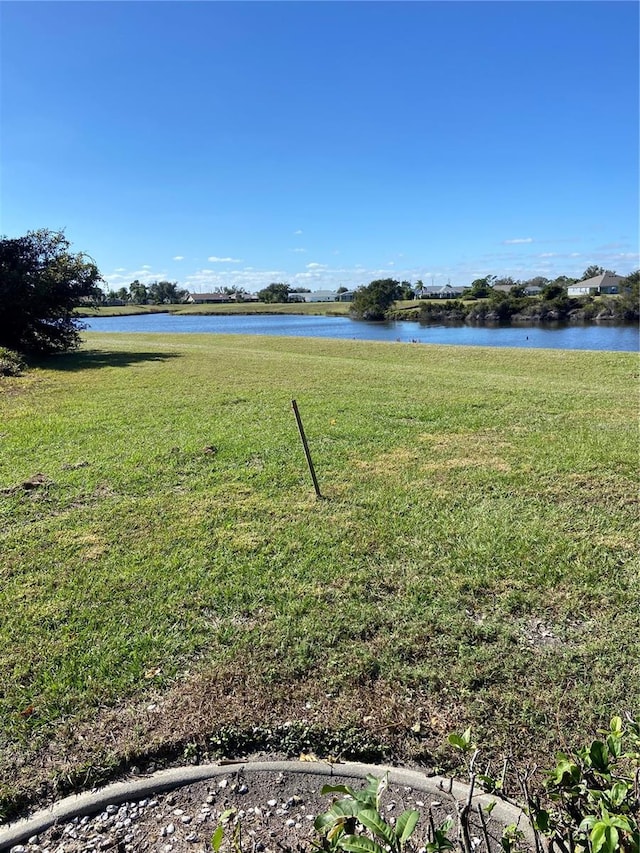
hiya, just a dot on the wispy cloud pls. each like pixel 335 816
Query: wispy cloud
pixel 179 258
pixel 298 250
pixel 214 259
pixel 315 266
pixel 517 240
pixel 145 274
pixel 299 231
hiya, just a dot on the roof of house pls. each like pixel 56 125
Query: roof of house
pixel 439 288
pixel 217 296
pixel 603 280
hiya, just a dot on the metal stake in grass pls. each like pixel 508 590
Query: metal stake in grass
pixel 306 448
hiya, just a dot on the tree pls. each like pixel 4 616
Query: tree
pixel 371 302
pixel 553 290
pixel 481 288
pixel 41 283
pixel 165 293
pixel 592 272
pixel 138 293
pixel 406 291
pixel 277 291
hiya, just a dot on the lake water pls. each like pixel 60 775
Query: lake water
pixel 612 338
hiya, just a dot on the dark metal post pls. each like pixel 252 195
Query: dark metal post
pixel 306 448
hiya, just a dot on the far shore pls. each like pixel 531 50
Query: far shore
pixel 407 310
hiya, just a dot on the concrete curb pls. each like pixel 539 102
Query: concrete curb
pixel 90 802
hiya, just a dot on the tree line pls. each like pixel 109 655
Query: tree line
pixel 155 293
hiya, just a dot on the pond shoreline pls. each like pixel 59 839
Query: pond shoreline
pixel 600 337
pixel 399 316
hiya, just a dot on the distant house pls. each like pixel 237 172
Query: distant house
pixel 606 282
pixel 320 296
pixel 438 291
pixel 209 298
pixel 527 289
pixel 345 296
pixel 218 298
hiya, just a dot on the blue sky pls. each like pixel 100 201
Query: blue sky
pixel 324 143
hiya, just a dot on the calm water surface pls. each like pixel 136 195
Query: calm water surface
pixel 616 338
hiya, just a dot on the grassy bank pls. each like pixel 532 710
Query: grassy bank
pixel 121 310
pixel 169 572
pixel 314 308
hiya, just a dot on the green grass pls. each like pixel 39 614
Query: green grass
pixel 474 561
pixel 315 308
pixel 121 310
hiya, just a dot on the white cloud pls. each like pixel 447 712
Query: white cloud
pixel 179 258
pixel 518 240
pixel 216 260
pixel 121 277
pixel 314 266
pixel 299 231
pixel 298 250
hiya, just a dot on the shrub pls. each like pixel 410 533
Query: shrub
pixel 11 363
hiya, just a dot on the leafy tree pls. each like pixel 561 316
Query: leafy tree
pixel 592 271
pixel 165 293
pixel 371 302
pixel 275 292
pixel 41 283
pixel 553 290
pixel 481 288
pixel 536 281
pixel 139 294
pixel 631 283
pixel 342 289
pixel 406 291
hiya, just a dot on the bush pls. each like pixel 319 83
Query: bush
pixel 11 363
pixel 41 283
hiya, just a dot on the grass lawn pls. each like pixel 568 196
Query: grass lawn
pixel 120 310
pixel 171 574
pixel 315 308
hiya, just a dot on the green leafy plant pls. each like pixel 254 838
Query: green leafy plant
pixel 11 363
pixel 354 822
pixel 595 794
pixel 591 797
pixel 228 820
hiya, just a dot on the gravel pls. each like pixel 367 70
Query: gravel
pixel 259 814
pixel 261 811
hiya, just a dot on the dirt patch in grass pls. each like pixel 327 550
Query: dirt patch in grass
pixel 227 714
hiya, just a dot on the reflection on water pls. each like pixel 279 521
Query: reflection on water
pixel 614 338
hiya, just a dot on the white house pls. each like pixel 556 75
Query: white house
pixel 320 296
pixel 438 291
pixel 606 282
